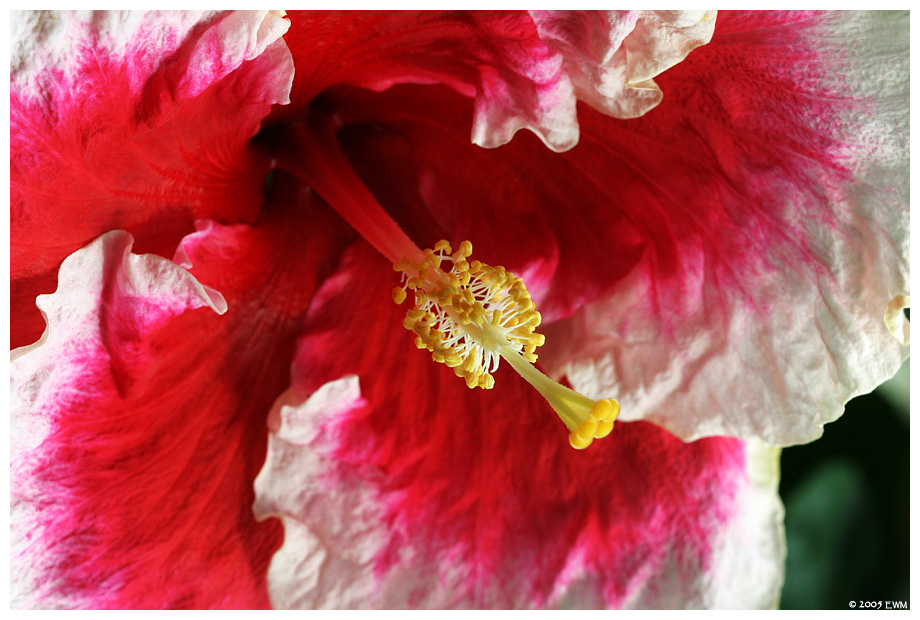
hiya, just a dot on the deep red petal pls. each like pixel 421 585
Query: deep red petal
pixel 142 488
pixel 135 122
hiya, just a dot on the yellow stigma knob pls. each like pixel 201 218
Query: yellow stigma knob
pixel 598 425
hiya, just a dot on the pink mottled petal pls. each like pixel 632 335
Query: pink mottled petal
pixel 138 422
pixel 401 488
pixel 135 121
pixel 611 57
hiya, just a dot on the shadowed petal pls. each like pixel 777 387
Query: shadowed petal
pixel 139 422
pixel 399 487
pixel 135 121
pixel 497 58
pixel 522 71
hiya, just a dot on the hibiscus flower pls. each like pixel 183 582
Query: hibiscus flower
pixel 219 406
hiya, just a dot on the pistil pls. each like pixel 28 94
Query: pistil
pixel 468 316
pixel 316 157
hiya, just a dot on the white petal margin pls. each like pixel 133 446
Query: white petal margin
pixel 611 57
pixel 330 534
pixel 44 44
pixel 42 379
pixel 835 329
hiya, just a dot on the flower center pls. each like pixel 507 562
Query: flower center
pixel 468 317
pixel 473 315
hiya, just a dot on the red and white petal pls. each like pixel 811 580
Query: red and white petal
pixel 134 121
pixel 401 488
pixel 821 269
pixel 138 421
pixel 611 57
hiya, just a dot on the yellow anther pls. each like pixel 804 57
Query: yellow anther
pixel 479 316
pixel 517 294
pixel 399 294
pixel 442 246
pixel 465 250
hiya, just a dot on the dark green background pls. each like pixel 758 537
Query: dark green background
pixel 847 503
